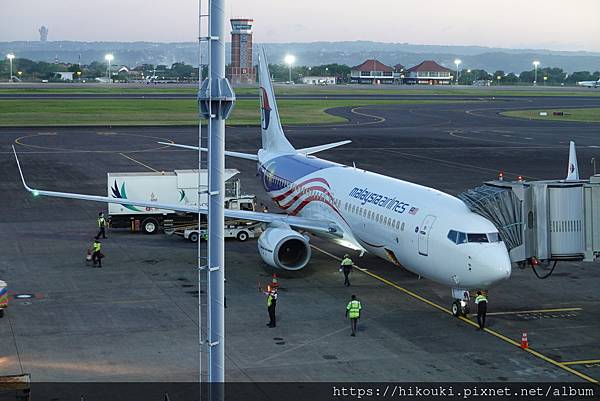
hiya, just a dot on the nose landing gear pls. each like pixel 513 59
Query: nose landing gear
pixel 460 306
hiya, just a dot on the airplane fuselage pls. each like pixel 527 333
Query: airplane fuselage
pixel 427 231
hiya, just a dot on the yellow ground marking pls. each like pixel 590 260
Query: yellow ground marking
pixel 535 311
pixel 138 162
pixel 468 321
pixel 378 119
pixel 585 362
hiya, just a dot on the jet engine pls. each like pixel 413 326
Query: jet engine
pixel 284 248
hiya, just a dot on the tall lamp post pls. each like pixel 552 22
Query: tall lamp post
pixel 10 57
pixel 289 60
pixel 457 62
pixel 535 67
pixel 109 57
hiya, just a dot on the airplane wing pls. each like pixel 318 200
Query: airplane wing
pixel 312 225
pixel 248 156
pixel 240 155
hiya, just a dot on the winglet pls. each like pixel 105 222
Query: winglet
pixel 33 191
pixel 573 169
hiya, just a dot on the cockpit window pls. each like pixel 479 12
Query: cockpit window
pixel 477 237
pixel 494 237
pixel 457 237
pixel 460 238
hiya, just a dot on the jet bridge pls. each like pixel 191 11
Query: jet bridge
pixel 553 220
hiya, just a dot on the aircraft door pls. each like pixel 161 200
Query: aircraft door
pixel 424 234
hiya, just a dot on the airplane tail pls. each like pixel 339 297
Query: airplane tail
pixel 573 169
pixel 273 138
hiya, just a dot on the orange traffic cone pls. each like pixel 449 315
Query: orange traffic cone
pixel 274 280
pixel 524 342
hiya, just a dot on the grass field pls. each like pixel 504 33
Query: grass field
pixel 58 112
pixel 584 115
pixel 314 90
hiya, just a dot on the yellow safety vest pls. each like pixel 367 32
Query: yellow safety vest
pixel 347 262
pixel 96 246
pixel 270 299
pixel 101 222
pixel 480 298
pixel 354 308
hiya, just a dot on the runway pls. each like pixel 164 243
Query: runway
pixel 136 319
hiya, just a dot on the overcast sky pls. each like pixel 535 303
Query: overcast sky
pixel 552 24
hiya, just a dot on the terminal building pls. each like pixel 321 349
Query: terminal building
pixel 428 73
pixel 241 70
pixel 372 72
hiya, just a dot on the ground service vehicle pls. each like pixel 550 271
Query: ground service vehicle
pixel 241 230
pixel 179 187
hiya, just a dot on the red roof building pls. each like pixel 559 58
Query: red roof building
pixel 428 73
pixel 372 72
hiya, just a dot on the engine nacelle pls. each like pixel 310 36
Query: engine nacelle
pixel 284 248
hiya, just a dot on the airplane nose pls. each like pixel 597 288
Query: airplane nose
pixel 499 264
pixel 494 266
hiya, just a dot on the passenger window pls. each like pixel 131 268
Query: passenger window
pixel 402 227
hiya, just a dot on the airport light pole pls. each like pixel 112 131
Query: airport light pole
pixel 216 99
pixel 109 57
pixel 10 58
pixel 535 67
pixel 457 62
pixel 290 60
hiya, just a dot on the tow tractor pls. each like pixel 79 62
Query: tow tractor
pixel 242 230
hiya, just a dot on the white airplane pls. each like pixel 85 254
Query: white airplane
pixel 589 84
pixel 428 232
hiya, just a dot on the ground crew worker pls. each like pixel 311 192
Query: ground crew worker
pixel 481 302
pixel 96 255
pixel 346 267
pixel 101 226
pixel 271 304
pixel 353 313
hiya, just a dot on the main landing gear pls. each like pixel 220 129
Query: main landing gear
pixel 460 306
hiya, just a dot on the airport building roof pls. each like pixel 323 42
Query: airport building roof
pixel 373 65
pixel 428 65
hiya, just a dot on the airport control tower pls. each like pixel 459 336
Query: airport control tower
pixel 241 70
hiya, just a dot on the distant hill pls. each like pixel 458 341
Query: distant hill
pixel 315 53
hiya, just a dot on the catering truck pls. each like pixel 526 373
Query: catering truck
pixel 177 187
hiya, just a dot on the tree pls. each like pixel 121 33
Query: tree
pixel 527 77
pixel 498 77
pixel 74 68
pixel 510 79
pixel 182 70
pixel 467 77
pixel 96 69
pixel 579 76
